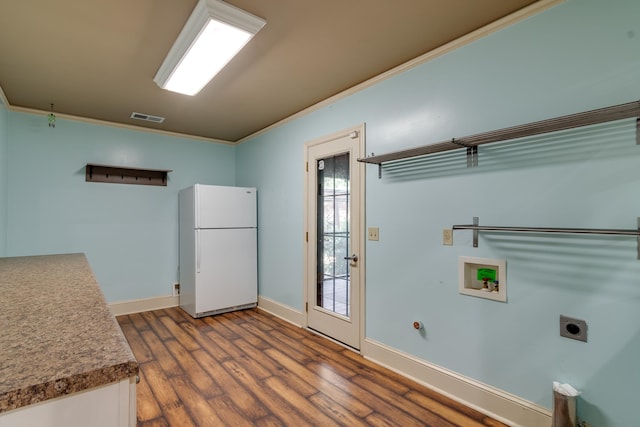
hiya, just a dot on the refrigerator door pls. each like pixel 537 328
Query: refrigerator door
pixel 226 269
pixel 225 207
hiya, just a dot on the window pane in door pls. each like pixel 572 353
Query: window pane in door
pixel 333 213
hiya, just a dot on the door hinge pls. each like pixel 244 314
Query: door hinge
pixel 306 237
pixel 306 307
pixel 307 168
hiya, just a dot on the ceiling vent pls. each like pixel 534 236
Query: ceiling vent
pixel 147 117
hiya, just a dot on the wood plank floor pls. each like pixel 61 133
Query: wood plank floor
pixel 248 368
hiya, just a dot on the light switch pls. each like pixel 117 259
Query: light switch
pixel 373 233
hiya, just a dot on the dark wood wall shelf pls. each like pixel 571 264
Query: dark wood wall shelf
pixel 123 175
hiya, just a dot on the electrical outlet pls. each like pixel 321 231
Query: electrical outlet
pixel 176 289
pixel 447 236
pixel 373 233
pixel 573 328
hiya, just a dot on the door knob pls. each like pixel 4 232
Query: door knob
pixel 353 258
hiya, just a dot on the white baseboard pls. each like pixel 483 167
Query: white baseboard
pixel 282 311
pixel 156 303
pixel 491 401
pixel 147 304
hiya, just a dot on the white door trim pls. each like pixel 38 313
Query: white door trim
pixel 360 129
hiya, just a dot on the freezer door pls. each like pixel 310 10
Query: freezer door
pixel 226 268
pixel 225 207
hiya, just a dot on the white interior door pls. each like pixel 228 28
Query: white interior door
pixel 335 201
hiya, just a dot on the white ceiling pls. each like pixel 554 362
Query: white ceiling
pixel 97 58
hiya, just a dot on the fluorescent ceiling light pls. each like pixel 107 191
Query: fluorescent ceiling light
pixel 214 33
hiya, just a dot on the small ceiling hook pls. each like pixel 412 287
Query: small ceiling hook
pixel 52 118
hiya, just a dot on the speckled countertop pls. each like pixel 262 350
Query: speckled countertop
pixel 57 334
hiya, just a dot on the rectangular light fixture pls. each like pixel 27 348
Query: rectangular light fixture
pixel 214 33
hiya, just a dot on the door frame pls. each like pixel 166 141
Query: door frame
pixel 307 238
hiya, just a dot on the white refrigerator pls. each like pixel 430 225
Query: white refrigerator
pixel 218 249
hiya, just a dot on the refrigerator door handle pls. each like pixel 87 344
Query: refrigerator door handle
pixel 196 204
pixel 198 251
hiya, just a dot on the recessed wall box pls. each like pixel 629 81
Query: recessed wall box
pixel 483 278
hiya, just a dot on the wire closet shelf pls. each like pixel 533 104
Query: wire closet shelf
pixel 471 142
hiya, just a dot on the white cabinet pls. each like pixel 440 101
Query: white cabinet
pixel 111 405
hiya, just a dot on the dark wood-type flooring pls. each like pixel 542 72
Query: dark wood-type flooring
pixel 249 368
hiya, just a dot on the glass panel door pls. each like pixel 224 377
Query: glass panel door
pixel 334 202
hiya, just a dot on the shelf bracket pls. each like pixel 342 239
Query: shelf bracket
pixel 637 131
pixel 475 232
pixel 472 156
pixel 472 152
pixel 639 238
pixel 379 170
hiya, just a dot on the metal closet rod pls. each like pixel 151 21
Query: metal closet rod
pixel 549 230
pixel 571 121
pixel 476 228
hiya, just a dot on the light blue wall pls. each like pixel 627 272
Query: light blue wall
pixel 128 232
pixel 575 57
pixel 3 177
